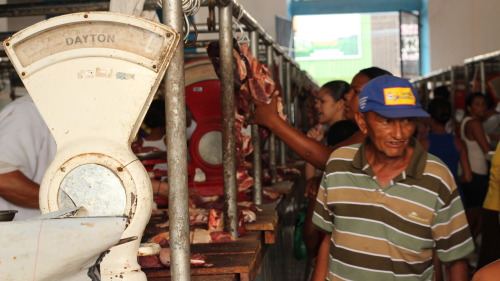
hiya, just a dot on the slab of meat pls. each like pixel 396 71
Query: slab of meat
pixel 248 205
pixel 201 236
pixel 270 194
pixel 162 238
pixel 152 261
pixel 244 179
pixel 196 260
pixel 221 236
pixel 240 63
pixel 215 220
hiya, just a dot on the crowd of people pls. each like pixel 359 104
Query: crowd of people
pixel 394 202
pixel 386 201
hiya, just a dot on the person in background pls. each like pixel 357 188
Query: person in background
pixel 338 132
pixel 442 93
pixel 490 246
pixel 477 142
pixel 311 150
pixel 155 126
pixel 26 149
pixel 489 272
pixel 447 147
pixel 491 121
pixel 450 149
pixel 386 203
pixel 330 109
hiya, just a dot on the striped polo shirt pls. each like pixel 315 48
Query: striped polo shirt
pixel 389 233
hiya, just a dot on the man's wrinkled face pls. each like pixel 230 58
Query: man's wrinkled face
pixel 390 137
pixel 351 98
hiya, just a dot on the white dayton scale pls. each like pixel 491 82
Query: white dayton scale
pixel 92 76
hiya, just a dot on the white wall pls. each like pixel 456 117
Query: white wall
pixel 461 29
pixel 265 11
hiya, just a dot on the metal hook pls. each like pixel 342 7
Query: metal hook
pixel 211 15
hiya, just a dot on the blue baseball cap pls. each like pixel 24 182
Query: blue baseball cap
pixel 391 97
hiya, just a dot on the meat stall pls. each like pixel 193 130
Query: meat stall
pixel 264 252
pixel 476 74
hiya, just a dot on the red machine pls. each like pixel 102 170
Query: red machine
pixel 203 100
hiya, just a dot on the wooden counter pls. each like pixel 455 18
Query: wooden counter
pixel 239 258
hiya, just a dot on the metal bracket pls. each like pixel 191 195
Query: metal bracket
pixel 211 15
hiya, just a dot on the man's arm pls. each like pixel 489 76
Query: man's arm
pixel 16 188
pixel 310 150
pixel 321 266
pixel 458 271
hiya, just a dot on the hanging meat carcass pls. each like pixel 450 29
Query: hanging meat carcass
pixel 252 80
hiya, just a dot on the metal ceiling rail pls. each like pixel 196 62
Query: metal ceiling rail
pixel 485 57
pixel 62 7
pixel 65 7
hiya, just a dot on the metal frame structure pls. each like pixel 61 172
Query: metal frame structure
pixel 175 105
pixel 484 64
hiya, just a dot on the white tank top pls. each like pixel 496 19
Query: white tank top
pixel 476 155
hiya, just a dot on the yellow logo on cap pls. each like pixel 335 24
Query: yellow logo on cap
pixel 399 96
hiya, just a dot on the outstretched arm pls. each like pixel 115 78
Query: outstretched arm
pixel 16 188
pixel 310 150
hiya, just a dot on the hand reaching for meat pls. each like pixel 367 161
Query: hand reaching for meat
pixel 316 132
pixel 266 114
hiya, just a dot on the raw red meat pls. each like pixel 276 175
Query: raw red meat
pixel 215 220
pixel 196 260
pixel 221 236
pixel 152 261
pixel 244 179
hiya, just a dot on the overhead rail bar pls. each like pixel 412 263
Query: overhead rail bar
pixel 489 56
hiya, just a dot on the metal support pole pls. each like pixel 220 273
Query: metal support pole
pixel 466 79
pixel 483 77
pixel 228 118
pixel 452 95
pixel 296 121
pixel 272 138
pixel 281 76
pixel 288 98
pixel 257 153
pixel 288 92
pixel 175 104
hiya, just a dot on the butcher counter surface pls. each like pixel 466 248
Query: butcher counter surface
pixel 237 260
pixel 230 259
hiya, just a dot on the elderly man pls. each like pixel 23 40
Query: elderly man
pixel 386 203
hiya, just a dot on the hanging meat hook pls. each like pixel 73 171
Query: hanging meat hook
pixel 211 15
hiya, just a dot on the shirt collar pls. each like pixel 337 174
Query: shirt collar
pixel 415 168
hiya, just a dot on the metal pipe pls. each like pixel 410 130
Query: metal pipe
pixel 61 7
pixel 483 77
pixel 228 119
pixel 175 105
pixel 281 76
pixel 257 153
pixel 452 91
pixel 288 92
pixel 466 79
pixel 295 111
pixel 272 139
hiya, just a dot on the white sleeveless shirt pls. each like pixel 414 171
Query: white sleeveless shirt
pixel 476 155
